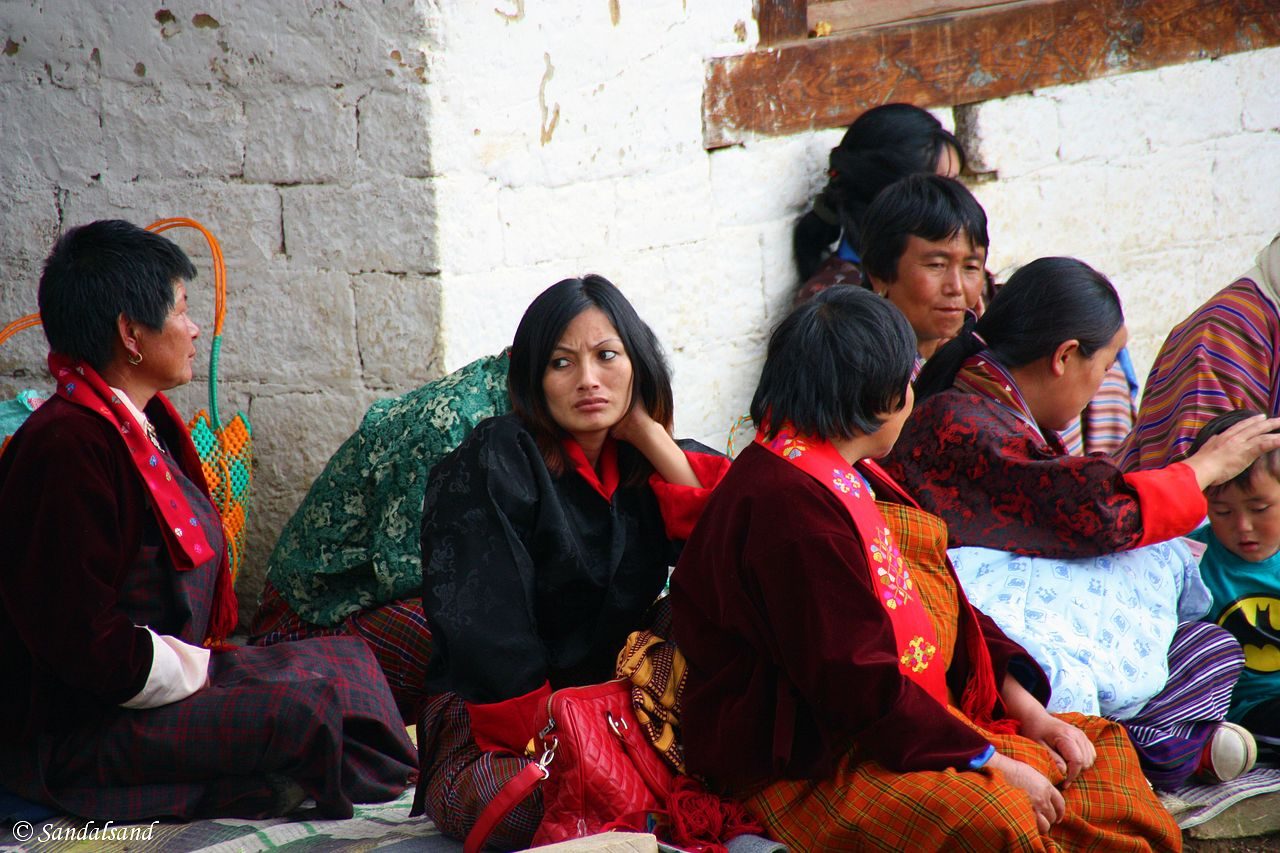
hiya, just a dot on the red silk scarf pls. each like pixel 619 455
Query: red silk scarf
pixel 914 637
pixel 184 539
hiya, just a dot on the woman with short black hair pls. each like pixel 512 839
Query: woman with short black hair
pixel 838 678
pixel 115 584
pixel 546 537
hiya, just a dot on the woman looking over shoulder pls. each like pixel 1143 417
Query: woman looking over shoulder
pixel 981 451
pixel 838 678
pixel 548 534
pixel 114 586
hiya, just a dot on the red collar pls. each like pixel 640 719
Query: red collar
pixel 606 482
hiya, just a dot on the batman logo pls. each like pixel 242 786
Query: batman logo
pixel 1255 622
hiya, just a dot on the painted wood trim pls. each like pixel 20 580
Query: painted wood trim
pixel 967 57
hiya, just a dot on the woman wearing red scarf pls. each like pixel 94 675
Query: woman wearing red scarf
pixel 546 537
pixel 121 699
pixel 838 678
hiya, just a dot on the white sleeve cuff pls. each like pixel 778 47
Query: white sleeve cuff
pixel 178 669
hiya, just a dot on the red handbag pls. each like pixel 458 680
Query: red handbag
pixel 598 771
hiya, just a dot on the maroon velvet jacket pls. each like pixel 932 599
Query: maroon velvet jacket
pixel 72 517
pixel 791 657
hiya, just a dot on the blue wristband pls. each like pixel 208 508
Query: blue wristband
pixel 981 759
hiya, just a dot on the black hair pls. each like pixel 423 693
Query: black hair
pixel 1047 302
pixel 930 207
pixel 539 332
pixel 1269 461
pixel 882 145
pixel 97 272
pixel 835 365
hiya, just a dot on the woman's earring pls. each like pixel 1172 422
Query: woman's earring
pixel 135 358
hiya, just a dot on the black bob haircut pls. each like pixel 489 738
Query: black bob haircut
pixel 835 365
pixel 97 272
pixel 1270 461
pixel 930 207
pixel 541 328
pixel 1045 303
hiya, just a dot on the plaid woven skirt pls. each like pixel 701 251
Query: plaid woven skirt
pixel 459 779
pixel 864 806
pixel 314 713
pixel 396 633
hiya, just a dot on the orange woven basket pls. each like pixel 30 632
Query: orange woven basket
pixel 226 450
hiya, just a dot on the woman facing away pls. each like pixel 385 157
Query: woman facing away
pixel 1064 538
pixel 349 561
pixel 838 679
pixel 115 585
pixel 883 144
pixel 546 537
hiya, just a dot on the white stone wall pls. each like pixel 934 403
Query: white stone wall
pixel 394 182
pixel 1168 181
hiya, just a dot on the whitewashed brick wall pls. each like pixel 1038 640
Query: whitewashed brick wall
pixel 392 184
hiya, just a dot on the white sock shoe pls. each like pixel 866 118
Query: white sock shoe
pixel 1230 752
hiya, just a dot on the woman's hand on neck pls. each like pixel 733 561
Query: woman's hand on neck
pixel 651 438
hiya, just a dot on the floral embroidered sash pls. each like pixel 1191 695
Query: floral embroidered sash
pixel 914 635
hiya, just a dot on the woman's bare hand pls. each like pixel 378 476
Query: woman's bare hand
pixel 1046 800
pixel 1071 748
pixel 636 426
pixel 1234 449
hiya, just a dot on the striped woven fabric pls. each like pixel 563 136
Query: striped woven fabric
pixel 1225 356
pixel 656 670
pixel 864 806
pixel 459 779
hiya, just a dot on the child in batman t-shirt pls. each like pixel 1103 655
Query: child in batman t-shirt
pixel 1241 567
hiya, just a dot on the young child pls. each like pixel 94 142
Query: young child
pixel 1242 569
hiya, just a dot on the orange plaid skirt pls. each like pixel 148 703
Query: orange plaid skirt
pixel 864 806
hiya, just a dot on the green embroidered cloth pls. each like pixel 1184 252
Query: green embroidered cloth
pixel 354 543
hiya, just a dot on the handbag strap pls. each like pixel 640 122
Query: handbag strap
pixel 508 797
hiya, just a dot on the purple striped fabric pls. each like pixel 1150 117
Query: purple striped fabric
pixel 1172 729
pixel 1225 356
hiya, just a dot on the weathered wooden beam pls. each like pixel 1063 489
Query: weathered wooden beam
pixel 781 20
pixel 968 57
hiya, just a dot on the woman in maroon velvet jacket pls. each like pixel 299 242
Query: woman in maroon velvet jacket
pixel 838 679
pixel 114 587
